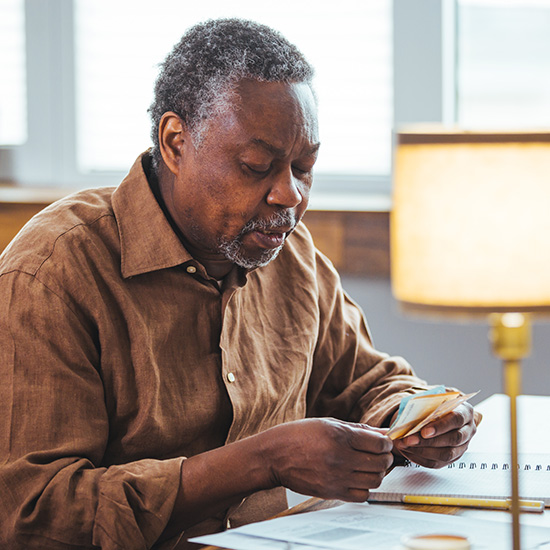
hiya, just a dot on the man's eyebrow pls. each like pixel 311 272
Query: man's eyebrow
pixel 277 151
pixel 314 148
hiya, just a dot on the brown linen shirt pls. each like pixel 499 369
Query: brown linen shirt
pixel 119 356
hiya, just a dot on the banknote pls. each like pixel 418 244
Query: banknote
pixel 417 410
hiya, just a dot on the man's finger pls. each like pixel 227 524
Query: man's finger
pixel 454 438
pixel 461 416
pixel 434 457
pixel 368 440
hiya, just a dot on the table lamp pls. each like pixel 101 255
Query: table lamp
pixel 470 236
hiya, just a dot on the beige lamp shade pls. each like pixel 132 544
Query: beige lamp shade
pixel 470 223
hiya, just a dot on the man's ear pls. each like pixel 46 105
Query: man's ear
pixel 172 137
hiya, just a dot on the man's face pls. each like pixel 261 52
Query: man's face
pixel 241 192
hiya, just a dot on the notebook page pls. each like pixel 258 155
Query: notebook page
pixel 475 475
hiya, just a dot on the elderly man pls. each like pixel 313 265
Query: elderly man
pixel 175 352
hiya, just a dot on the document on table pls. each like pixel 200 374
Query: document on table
pixel 361 526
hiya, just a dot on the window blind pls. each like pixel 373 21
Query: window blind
pixel 119 43
pixel 504 63
pixel 13 98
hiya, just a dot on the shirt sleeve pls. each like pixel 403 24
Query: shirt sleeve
pixel 54 429
pixel 350 379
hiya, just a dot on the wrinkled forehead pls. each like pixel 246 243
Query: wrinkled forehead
pixel 279 94
pixel 276 104
pixel 284 114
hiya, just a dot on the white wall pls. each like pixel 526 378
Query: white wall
pixel 455 354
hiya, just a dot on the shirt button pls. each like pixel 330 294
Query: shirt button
pixel 191 269
pixel 230 377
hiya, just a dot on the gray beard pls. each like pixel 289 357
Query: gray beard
pixel 232 249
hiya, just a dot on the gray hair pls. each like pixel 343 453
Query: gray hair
pixel 199 77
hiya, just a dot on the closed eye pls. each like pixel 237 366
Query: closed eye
pixel 302 171
pixel 259 170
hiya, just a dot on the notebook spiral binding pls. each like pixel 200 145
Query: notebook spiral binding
pixel 487 466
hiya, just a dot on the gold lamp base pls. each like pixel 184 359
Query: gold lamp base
pixel 511 339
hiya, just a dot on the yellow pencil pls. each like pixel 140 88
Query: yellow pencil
pixel 503 504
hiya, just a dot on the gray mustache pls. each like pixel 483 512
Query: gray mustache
pixel 284 218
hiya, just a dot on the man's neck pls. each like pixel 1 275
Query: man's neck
pixel 216 265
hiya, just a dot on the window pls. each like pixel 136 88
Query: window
pixel 116 64
pixel 504 63
pixel 91 66
pixel 90 62
pixel 13 97
pixel 79 116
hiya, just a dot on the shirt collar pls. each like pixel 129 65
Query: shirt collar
pixel 147 241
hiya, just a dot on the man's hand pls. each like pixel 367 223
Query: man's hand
pixel 328 458
pixel 320 457
pixel 442 441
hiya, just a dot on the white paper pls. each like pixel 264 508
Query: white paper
pixel 363 526
pixel 239 541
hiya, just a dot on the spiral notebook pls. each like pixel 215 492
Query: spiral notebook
pixel 475 475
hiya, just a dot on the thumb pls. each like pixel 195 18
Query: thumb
pixel 381 431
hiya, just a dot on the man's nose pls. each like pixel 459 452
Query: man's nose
pixel 285 190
